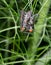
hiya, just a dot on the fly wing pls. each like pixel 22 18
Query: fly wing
pixel 29 13
pixel 22 20
pixel 27 17
pixel 35 17
pixel 21 17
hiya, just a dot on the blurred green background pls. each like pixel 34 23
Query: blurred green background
pixel 19 48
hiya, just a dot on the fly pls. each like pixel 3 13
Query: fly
pixel 27 21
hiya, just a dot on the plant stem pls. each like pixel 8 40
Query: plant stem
pixel 36 36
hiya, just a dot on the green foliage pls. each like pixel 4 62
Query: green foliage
pixel 21 48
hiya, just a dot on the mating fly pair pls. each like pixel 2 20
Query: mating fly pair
pixel 27 21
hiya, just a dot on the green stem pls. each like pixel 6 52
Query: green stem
pixel 38 28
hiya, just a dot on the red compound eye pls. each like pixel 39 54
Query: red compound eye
pixel 30 30
pixel 22 29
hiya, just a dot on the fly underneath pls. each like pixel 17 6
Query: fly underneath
pixel 27 21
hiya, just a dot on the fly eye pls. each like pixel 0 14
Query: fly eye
pixel 30 30
pixel 22 29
